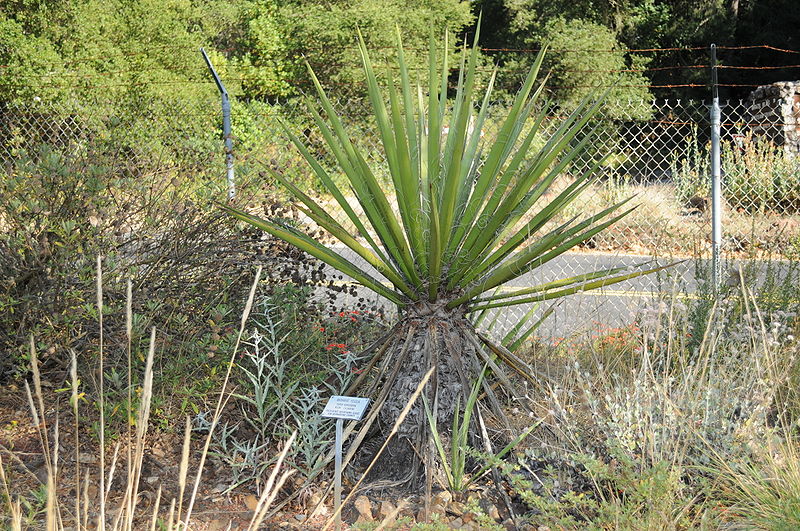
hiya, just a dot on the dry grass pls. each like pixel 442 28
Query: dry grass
pixel 673 431
pixel 662 226
pixel 129 512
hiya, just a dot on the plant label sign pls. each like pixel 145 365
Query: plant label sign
pixel 345 407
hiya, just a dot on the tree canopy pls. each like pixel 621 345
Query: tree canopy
pixel 676 34
pixel 150 48
pixel 146 50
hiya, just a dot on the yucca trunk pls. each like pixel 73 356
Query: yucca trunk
pixel 427 336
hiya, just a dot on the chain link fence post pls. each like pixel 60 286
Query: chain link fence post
pixel 716 188
pixel 226 126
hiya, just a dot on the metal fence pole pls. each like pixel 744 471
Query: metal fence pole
pixel 226 126
pixel 716 189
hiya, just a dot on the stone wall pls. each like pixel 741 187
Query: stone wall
pixel 775 113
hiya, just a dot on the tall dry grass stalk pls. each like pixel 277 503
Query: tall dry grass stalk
pixel 218 409
pixel 183 472
pixel 128 412
pixel 14 508
pixel 272 488
pixel 101 392
pixel 74 397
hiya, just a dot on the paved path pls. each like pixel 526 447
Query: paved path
pixel 615 306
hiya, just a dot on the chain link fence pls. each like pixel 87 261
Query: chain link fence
pixel 656 151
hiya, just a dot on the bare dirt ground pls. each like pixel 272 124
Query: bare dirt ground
pixel 214 510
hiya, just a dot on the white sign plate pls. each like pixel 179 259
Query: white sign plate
pixel 345 407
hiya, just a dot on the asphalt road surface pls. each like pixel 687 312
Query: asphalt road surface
pixel 615 306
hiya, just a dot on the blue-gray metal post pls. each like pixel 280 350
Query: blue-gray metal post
pixel 226 126
pixel 716 188
pixel 337 485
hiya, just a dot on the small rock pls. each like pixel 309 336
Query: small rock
pixel 458 523
pixel 433 511
pixel 157 452
pixel 407 509
pixel 437 509
pixel 443 498
pixel 314 499
pixel 509 524
pixel 386 509
pixel 152 479
pixel 457 508
pixel 251 502
pixel 492 512
pixel 87 459
pixel 317 505
pixel 364 508
pixel 300 517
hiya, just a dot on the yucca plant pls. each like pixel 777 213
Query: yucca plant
pixel 462 216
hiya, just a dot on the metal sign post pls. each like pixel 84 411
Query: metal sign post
pixel 342 408
pixel 337 482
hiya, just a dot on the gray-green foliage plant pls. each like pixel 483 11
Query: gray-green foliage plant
pixel 460 219
pixel 277 397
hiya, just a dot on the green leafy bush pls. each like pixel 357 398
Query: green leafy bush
pixel 63 204
pixel 760 176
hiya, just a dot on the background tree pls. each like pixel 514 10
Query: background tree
pixel 576 68
pixel 575 32
pixel 284 35
pixel 647 24
pixel 148 49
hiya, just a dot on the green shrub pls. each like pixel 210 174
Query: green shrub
pixel 692 174
pixel 62 206
pixel 621 493
pixel 760 177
